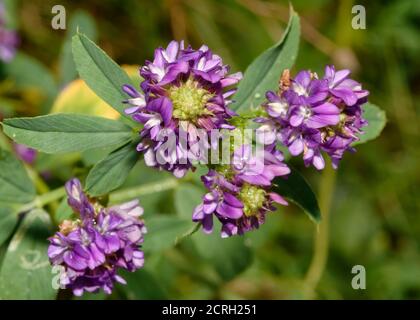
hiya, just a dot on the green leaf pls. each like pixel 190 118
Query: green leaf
pixel 82 21
pixel 376 122
pixel 60 133
pixel 296 189
pixel 15 185
pixel 93 156
pixel 111 172
pixel 8 220
pixel 187 197
pixel 100 72
pixel 264 72
pixel 163 230
pixel 29 74
pixel 26 273
pixel 228 256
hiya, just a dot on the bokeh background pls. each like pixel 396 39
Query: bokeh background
pixel 373 200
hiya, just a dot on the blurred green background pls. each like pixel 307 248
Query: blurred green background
pixel 374 215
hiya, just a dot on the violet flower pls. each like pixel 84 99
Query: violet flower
pixel 239 194
pixel 314 115
pixel 93 248
pixel 25 153
pixel 8 39
pixel 183 90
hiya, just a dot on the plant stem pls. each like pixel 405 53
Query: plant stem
pixel 119 196
pixel 135 192
pixel 43 200
pixel 189 233
pixel 44 192
pixel 40 185
pixel 319 259
pixel 49 197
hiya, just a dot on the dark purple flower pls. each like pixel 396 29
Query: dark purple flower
pixel 341 87
pixel 91 250
pixel 239 194
pixel 308 89
pixel 25 153
pixel 8 39
pixel 312 115
pixel 184 90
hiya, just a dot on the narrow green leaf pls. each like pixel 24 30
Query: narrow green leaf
pixel 111 172
pixel 15 185
pixel 8 220
pixel 100 72
pixel 296 189
pixel 26 273
pixel 163 230
pixel 376 122
pixel 82 21
pixel 60 133
pixel 264 72
pixel 29 74
pixel 228 256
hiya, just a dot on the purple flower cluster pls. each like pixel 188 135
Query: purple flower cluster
pixel 8 39
pixel 183 90
pixel 91 249
pixel 239 194
pixel 313 115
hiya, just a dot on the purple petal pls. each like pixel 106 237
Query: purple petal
pixel 318 162
pixel 303 78
pixel 75 261
pixel 228 230
pixel 346 94
pixel 232 200
pixel 228 211
pixel 340 76
pixel 198 213
pixel 258 180
pixel 326 108
pixel 173 71
pixel 319 121
pixel 130 90
pixel 296 120
pixel 296 147
pixel 277 198
pixel 171 51
pixel 208 223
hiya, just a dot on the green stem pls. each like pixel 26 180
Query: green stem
pixel 44 191
pixel 115 197
pixel 40 185
pixel 320 257
pixel 43 200
pixel 189 233
pixel 135 192
pixel 49 197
